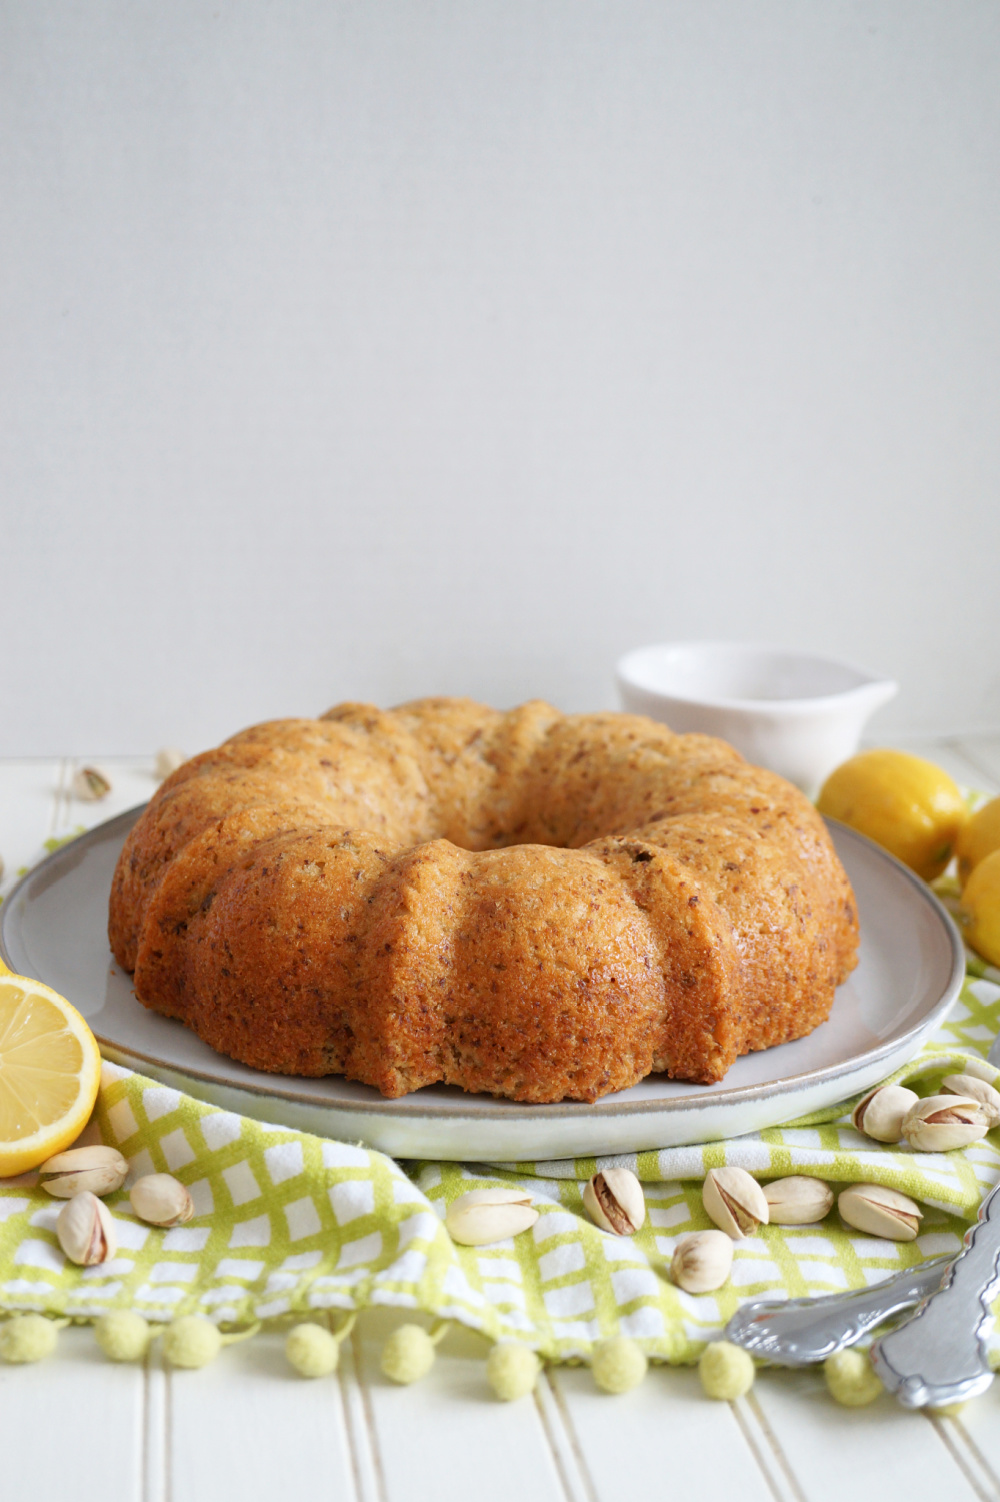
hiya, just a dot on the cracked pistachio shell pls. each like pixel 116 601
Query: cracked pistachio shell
pixel 614 1201
pixel 486 1215
pixel 940 1123
pixel 90 785
pixel 797 1200
pixel 735 1201
pixel 880 1211
pixel 86 1230
pixel 702 1261
pixel 880 1114
pixel 161 1200
pixel 168 759
pixel 970 1087
pixel 101 1170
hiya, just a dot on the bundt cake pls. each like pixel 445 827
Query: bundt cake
pixel 529 904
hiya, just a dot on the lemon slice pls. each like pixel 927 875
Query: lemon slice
pixel 50 1070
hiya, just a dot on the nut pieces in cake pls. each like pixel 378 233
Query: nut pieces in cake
pixel 702 1261
pixel 940 1123
pixel 86 1230
pixel 735 1201
pixel 880 1211
pixel 614 1201
pixel 161 1200
pixel 797 1200
pixel 880 1114
pixel 101 1170
pixel 486 1215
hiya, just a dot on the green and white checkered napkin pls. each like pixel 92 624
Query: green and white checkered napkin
pixel 288 1224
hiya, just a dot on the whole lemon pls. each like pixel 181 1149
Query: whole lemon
pixel 978 838
pixel 981 908
pixel 909 806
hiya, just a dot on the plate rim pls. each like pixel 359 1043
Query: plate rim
pixel 413 1107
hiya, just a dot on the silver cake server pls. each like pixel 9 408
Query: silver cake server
pixel 800 1332
pixel 938 1354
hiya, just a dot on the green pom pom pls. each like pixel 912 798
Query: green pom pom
pixel 191 1341
pixel 312 1350
pixel 617 1364
pixel 949 1410
pixel 512 1370
pixel 122 1336
pixel 850 1378
pixel 27 1337
pixel 726 1371
pixel 408 1354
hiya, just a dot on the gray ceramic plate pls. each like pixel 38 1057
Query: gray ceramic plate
pixel 54 927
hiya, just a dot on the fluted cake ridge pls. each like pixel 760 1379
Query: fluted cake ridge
pixel 524 903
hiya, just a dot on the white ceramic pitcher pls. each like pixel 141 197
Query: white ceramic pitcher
pixel 793 712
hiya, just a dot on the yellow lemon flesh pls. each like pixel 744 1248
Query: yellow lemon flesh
pixel 981 908
pixel 979 838
pixel 50 1070
pixel 909 806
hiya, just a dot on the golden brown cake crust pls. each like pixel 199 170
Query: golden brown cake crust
pixel 528 904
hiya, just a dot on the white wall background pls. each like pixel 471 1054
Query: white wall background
pixel 373 348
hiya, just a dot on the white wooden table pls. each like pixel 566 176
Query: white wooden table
pixel 247 1428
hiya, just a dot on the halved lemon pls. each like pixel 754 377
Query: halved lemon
pixel 50 1071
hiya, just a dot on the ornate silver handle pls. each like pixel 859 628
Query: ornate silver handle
pixel 938 1355
pixel 799 1332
